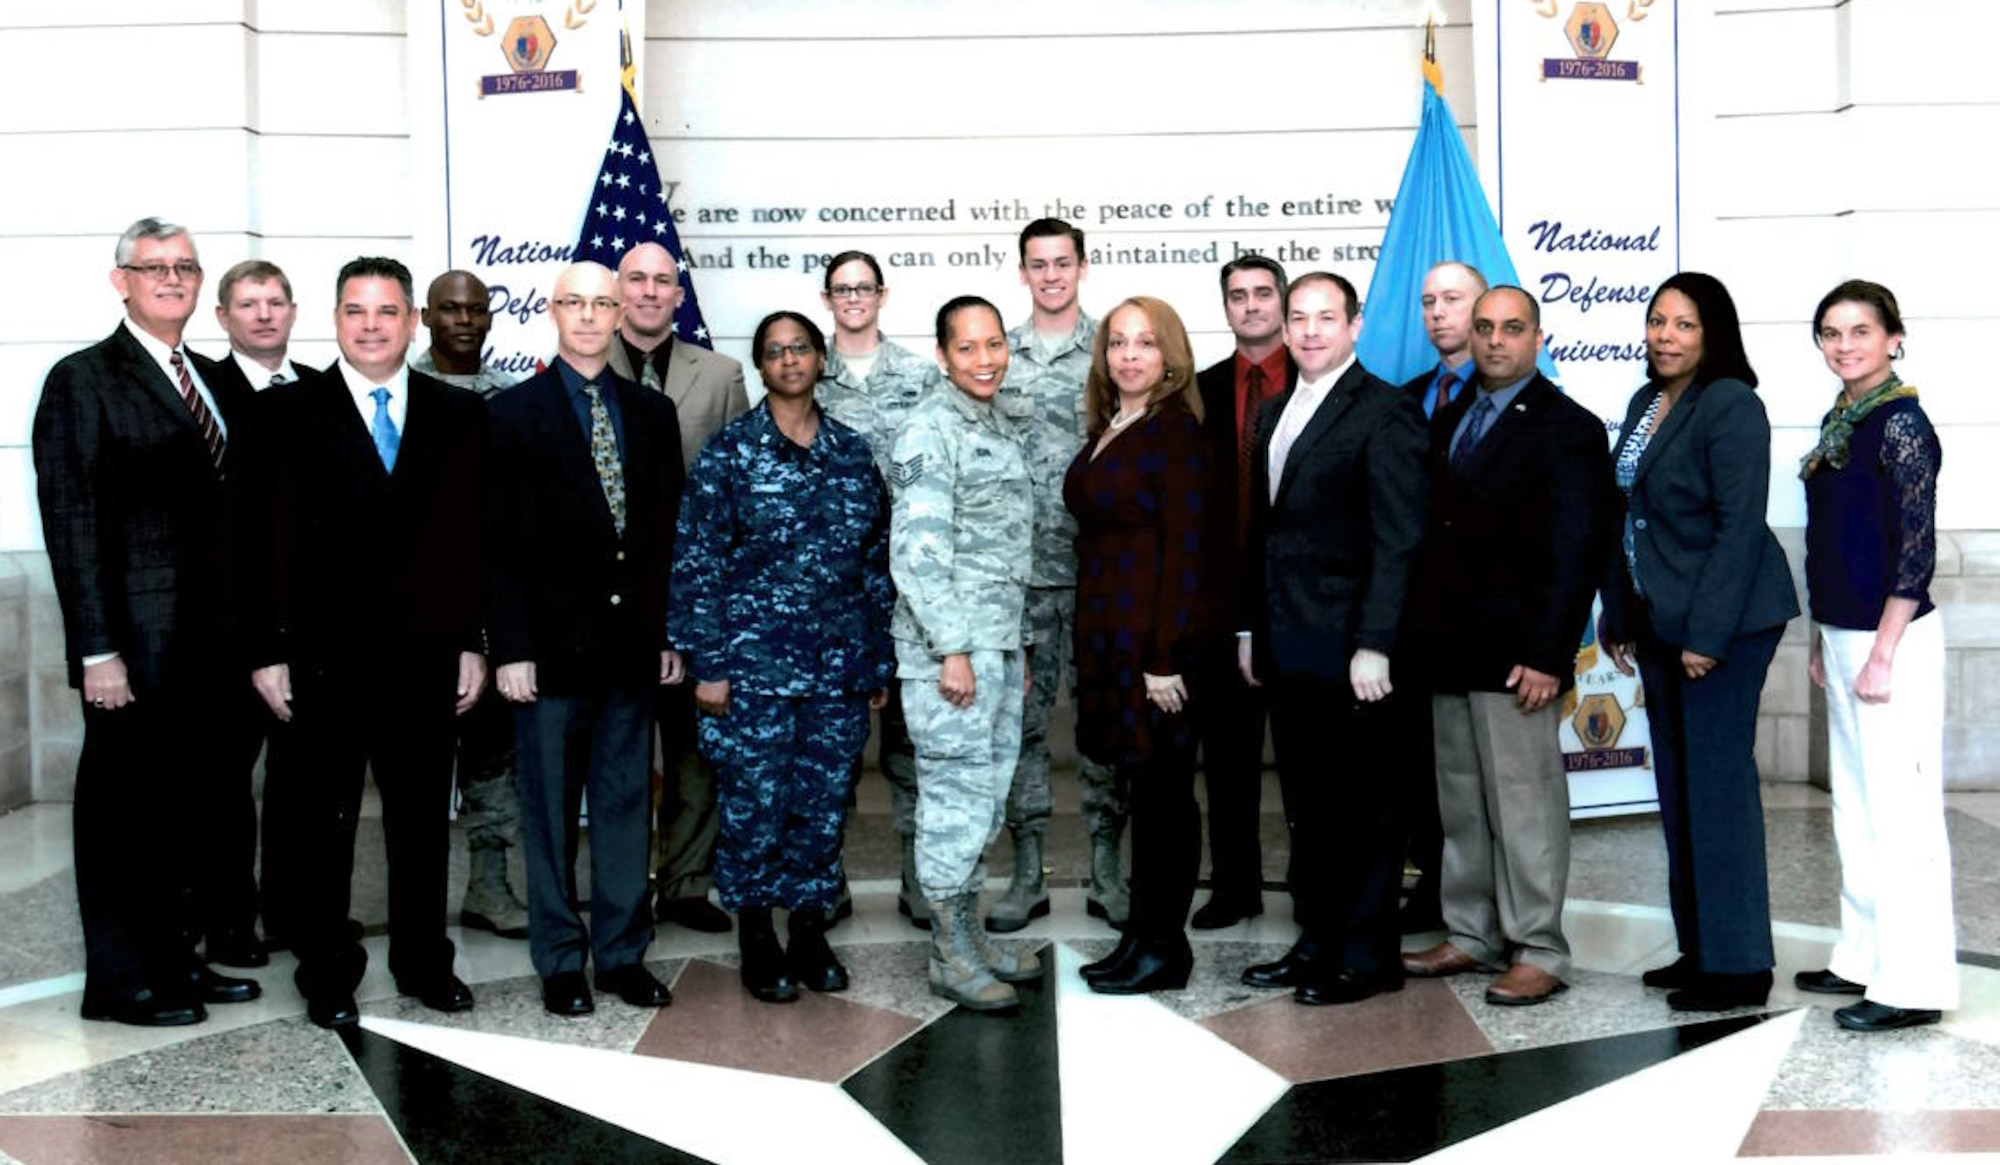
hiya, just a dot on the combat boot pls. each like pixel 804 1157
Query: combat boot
pixel 764 972
pixel 957 973
pixel 1109 898
pixel 1026 898
pixel 910 898
pixel 1006 966
pixel 489 901
pixel 811 960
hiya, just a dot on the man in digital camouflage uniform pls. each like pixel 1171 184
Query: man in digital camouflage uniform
pixel 1043 394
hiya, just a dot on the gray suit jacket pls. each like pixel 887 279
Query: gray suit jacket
pixel 706 388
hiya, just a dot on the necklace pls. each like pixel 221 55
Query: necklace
pixel 1121 419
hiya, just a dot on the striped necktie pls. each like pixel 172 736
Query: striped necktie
pixel 211 433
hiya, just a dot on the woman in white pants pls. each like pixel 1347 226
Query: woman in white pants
pixel 1878 650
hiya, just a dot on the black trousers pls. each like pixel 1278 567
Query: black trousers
pixel 1413 768
pixel 143 779
pixel 226 890
pixel 390 713
pixel 1166 832
pixel 1346 866
pixel 1229 718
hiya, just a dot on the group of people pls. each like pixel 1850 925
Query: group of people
pixel 1396 576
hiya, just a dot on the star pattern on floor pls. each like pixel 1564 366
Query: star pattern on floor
pixel 1074 1076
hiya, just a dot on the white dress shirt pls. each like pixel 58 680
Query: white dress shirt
pixel 362 390
pixel 1299 410
pixel 260 376
pixel 164 357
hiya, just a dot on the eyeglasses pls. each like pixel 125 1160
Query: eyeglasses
pixel 187 269
pixel 799 348
pixel 853 291
pixel 601 303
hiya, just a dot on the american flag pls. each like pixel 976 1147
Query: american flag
pixel 628 206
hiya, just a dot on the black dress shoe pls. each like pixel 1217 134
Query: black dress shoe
pixel 567 993
pixel 1343 986
pixel 144 1008
pixel 1870 1016
pixel 1682 972
pixel 332 1011
pixel 446 993
pixel 635 985
pixel 1289 971
pixel 1827 983
pixel 205 986
pixel 694 913
pixel 1113 963
pixel 1718 992
pixel 237 948
pixel 1226 910
pixel 1152 967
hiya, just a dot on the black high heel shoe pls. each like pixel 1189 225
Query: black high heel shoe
pixel 1162 965
pixel 1128 945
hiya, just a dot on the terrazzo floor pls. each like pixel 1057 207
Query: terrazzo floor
pixel 887 1073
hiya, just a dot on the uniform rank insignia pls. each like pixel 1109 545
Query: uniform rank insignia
pixel 903 473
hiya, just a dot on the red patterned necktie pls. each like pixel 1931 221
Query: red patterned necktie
pixel 1246 448
pixel 211 433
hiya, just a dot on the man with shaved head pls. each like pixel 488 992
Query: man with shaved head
pixel 585 489
pixel 1520 521
pixel 707 390
pixel 457 314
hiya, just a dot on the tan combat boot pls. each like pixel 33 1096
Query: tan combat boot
pixel 957 972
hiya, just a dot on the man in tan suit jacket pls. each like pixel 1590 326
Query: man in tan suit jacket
pixel 707 390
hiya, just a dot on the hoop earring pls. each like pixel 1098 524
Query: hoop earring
pixel 1898 353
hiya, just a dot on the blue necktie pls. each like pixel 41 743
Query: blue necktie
pixel 386 438
pixel 1475 428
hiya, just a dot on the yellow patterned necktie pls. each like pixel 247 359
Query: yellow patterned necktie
pixel 604 452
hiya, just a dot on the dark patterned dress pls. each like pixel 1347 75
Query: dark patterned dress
pixel 1139 506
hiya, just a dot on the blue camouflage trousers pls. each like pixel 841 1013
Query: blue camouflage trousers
pixel 965 758
pixel 783 767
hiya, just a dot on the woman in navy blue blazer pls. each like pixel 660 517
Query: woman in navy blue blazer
pixel 1700 596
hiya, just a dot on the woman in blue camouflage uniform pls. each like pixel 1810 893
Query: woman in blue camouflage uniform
pixel 780 605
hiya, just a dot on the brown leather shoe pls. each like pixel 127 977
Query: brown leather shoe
pixel 1438 961
pixel 1524 986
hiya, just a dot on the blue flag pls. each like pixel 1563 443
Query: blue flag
pixel 1441 215
pixel 628 206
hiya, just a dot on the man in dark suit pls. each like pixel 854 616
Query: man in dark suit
pixel 707 391
pixel 365 603
pixel 254 305
pixel 1448 294
pixel 1520 477
pixel 1336 518
pixel 132 451
pixel 580 529
pixel 1229 714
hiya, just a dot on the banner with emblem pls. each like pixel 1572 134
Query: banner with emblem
pixel 510 103
pixel 1580 143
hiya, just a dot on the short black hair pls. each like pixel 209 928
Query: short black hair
pixel 1347 291
pixel 1722 354
pixel 846 257
pixel 1052 228
pixel 958 304
pixel 1534 309
pixel 1256 263
pixel 376 267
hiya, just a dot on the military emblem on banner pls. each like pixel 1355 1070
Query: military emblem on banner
pixel 526 44
pixel 1591 30
pixel 1599 721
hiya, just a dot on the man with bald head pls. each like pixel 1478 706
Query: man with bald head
pixel 707 390
pixel 458 317
pixel 585 490
pixel 1520 521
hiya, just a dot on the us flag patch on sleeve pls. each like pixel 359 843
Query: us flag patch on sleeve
pixel 903 473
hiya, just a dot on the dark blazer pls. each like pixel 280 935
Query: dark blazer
pixel 1419 387
pixel 352 560
pixel 1515 543
pixel 133 510
pixel 1217 383
pixel 1712 569
pixel 1331 557
pixel 588 607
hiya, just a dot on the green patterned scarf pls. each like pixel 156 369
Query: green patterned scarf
pixel 1838 428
